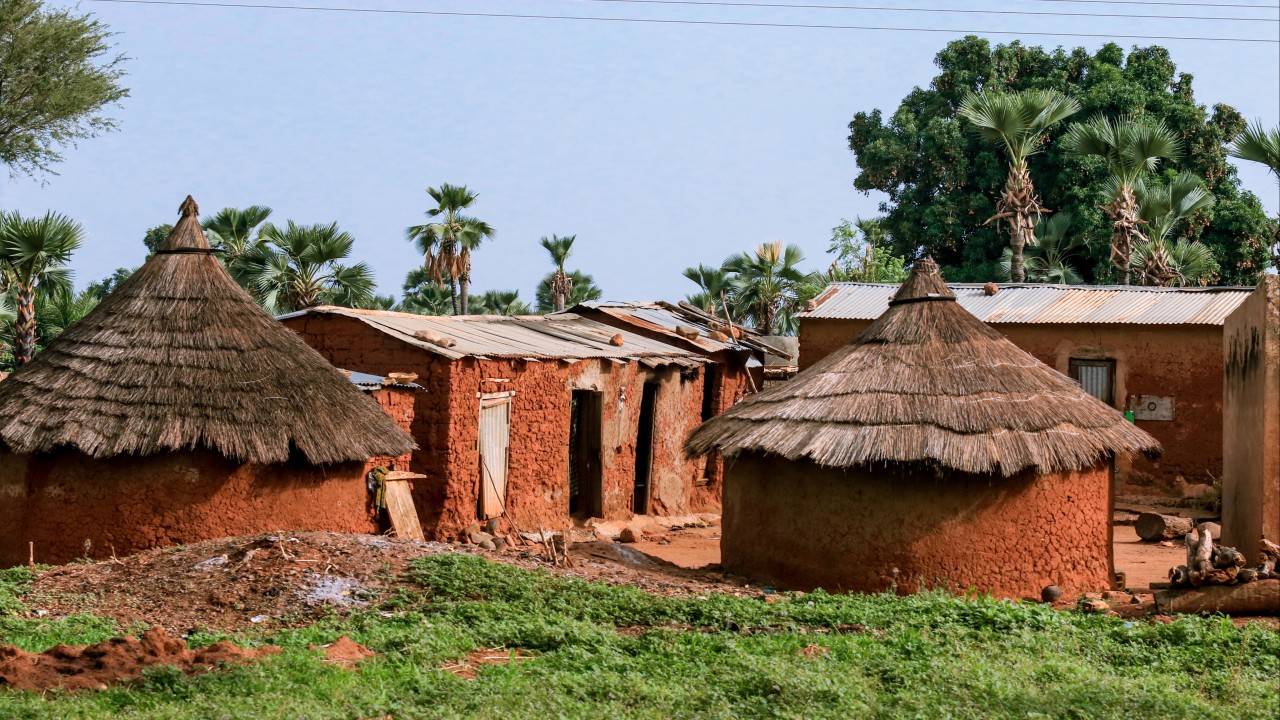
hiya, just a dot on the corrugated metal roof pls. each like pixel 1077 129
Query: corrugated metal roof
pixel 666 317
pixel 368 382
pixel 564 336
pixel 1046 304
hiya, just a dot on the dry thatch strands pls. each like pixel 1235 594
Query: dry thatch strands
pixel 180 357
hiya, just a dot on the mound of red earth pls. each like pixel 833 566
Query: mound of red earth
pixel 94 667
pixel 273 580
pixel 344 652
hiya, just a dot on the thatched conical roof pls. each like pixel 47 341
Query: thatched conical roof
pixel 180 357
pixel 928 382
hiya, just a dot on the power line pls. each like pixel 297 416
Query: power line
pixel 659 21
pixel 1167 4
pixel 882 8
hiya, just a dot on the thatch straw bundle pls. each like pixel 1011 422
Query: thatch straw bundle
pixel 179 358
pixel 928 382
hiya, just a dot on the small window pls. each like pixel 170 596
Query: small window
pixel 1097 377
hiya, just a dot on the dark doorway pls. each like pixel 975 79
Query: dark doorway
pixel 585 486
pixel 709 377
pixel 644 449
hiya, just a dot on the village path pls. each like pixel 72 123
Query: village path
pixel 1142 562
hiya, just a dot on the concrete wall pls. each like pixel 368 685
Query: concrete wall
pixel 446 426
pixel 801 526
pixel 1251 446
pixel 73 506
pixel 1182 361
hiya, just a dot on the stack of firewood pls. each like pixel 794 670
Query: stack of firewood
pixel 1209 564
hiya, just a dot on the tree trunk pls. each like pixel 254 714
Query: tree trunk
pixel 1017 269
pixel 464 279
pixel 1123 210
pixel 24 327
pixel 1154 526
pixel 559 302
pixel 453 293
pixel 1018 206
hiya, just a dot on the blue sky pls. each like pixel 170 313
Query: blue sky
pixel 660 146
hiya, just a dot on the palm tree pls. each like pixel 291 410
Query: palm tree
pixel 55 313
pixel 423 295
pixel 446 244
pixel 809 287
pixel 1050 260
pixel 1132 148
pixel 704 302
pixel 1018 121
pixel 714 283
pixel 1259 145
pixel 300 266
pixel 764 280
pixel 561 285
pixel 503 302
pixel 584 290
pixel 1163 208
pixel 33 252
pixel 232 230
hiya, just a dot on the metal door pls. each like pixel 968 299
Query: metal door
pixel 495 450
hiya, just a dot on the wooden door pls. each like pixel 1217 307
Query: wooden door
pixel 495 450
pixel 586 494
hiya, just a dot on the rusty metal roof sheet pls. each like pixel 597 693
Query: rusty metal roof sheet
pixel 665 317
pixel 1052 304
pixel 560 337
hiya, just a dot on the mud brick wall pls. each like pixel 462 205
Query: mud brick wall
pixel 1251 442
pixel 350 344
pixel 400 403
pixel 127 504
pixel 447 416
pixel 913 528
pixel 1181 361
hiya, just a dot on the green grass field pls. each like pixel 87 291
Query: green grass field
pixel 611 652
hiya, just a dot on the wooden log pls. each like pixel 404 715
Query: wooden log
pixel 1256 598
pixel 1154 526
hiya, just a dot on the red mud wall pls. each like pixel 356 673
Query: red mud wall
pixel 538 468
pixel 447 417
pixel 400 403
pixel 803 526
pixel 1251 476
pixel 63 500
pixel 350 344
pixel 1182 361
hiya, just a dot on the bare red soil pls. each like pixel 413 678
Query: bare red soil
pixel 93 667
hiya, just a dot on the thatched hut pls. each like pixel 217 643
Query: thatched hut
pixel 929 452
pixel 179 410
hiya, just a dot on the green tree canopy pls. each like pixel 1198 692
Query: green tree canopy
pixel 58 74
pixel 943 182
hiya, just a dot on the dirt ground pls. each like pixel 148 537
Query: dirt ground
pixel 287 579
pixel 1142 563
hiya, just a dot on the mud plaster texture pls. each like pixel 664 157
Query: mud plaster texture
pixel 447 416
pixel 1251 477
pixel 400 402
pixel 1181 361
pixel 909 528
pixel 73 506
